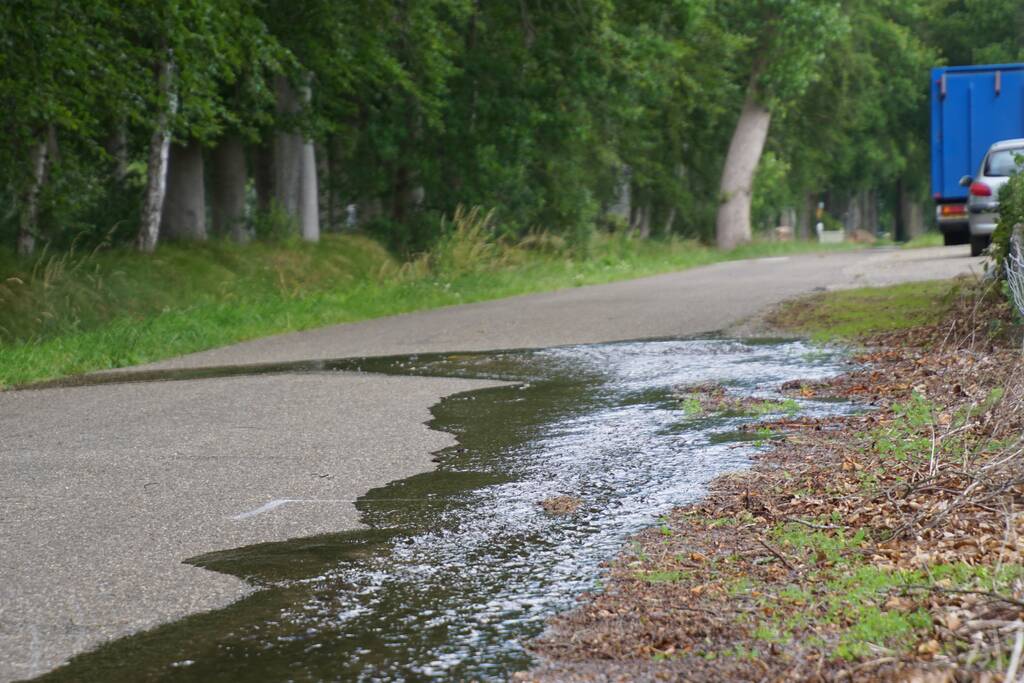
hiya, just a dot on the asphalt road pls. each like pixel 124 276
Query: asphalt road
pixel 107 489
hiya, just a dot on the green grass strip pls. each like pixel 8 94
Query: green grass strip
pixel 70 314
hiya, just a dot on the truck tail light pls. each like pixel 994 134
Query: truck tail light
pixel 953 209
pixel 981 190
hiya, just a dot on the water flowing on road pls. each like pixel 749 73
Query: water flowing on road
pixel 459 567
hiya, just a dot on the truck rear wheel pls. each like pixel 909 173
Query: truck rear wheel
pixel 978 244
pixel 955 234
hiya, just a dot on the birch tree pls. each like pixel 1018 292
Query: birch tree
pixel 227 192
pixel 201 48
pixel 159 154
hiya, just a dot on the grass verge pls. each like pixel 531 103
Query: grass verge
pixel 70 314
pixel 932 238
pixel 854 313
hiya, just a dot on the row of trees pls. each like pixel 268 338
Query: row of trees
pixel 170 119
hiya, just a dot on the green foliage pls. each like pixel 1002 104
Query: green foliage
pixel 771 190
pixel 977 31
pixel 788 42
pixel 547 112
pixel 660 576
pixel 468 243
pixel 1011 213
pixel 274 224
pixel 846 599
pixel 692 406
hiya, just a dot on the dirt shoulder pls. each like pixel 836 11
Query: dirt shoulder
pixel 880 546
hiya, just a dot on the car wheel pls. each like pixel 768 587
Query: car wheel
pixel 978 244
pixel 951 239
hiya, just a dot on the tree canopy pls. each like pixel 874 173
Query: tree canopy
pixel 563 116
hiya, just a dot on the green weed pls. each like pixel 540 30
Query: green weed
pixel 660 576
pixel 692 406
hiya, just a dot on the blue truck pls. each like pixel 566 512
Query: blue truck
pixel 972 107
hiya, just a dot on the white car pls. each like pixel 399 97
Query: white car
pixel 1003 159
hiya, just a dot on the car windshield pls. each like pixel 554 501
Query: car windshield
pixel 1004 162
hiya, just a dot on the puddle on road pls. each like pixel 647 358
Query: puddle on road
pixel 460 566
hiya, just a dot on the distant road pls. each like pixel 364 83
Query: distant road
pixel 675 304
pixel 107 489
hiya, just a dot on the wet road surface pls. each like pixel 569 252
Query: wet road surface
pixel 108 489
pixel 458 567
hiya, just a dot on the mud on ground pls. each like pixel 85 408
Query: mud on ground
pixel 881 546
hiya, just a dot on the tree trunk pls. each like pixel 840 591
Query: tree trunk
pixel 805 216
pixel 853 219
pixel 295 182
pixel 642 221
pixel 529 32
pixel 401 189
pixel 184 215
pixel 310 211
pixel 117 147
pixel 787 218
pixel 28 224
pixel 871 211
pixel 227 189
pixel 325 184
pixel 288 152
pixel 263 175
pixel 911 215
pixel 670 220
pixel 732 225
pixel 337 206
pixel 156 167
pixel 622 208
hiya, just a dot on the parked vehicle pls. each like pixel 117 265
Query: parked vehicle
pixel 972 107
pixel 1002 160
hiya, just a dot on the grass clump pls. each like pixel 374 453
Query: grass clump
pixel 662 576
pixel 713 400
pixel 931 238
pixel 855 313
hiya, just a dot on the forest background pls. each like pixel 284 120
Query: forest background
pixel 133 123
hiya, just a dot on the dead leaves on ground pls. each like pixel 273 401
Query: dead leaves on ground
pixel 934 478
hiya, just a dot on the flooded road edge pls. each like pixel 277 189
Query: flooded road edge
pixel 266 564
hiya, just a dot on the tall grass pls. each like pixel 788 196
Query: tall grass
pixel 78 312
pixel 62 293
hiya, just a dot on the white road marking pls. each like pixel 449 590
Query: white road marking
pixel 278 502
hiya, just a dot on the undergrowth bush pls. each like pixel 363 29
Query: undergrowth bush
pixel 274 224
pixel 469 244
pixel 1011 213
pixel 52 295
